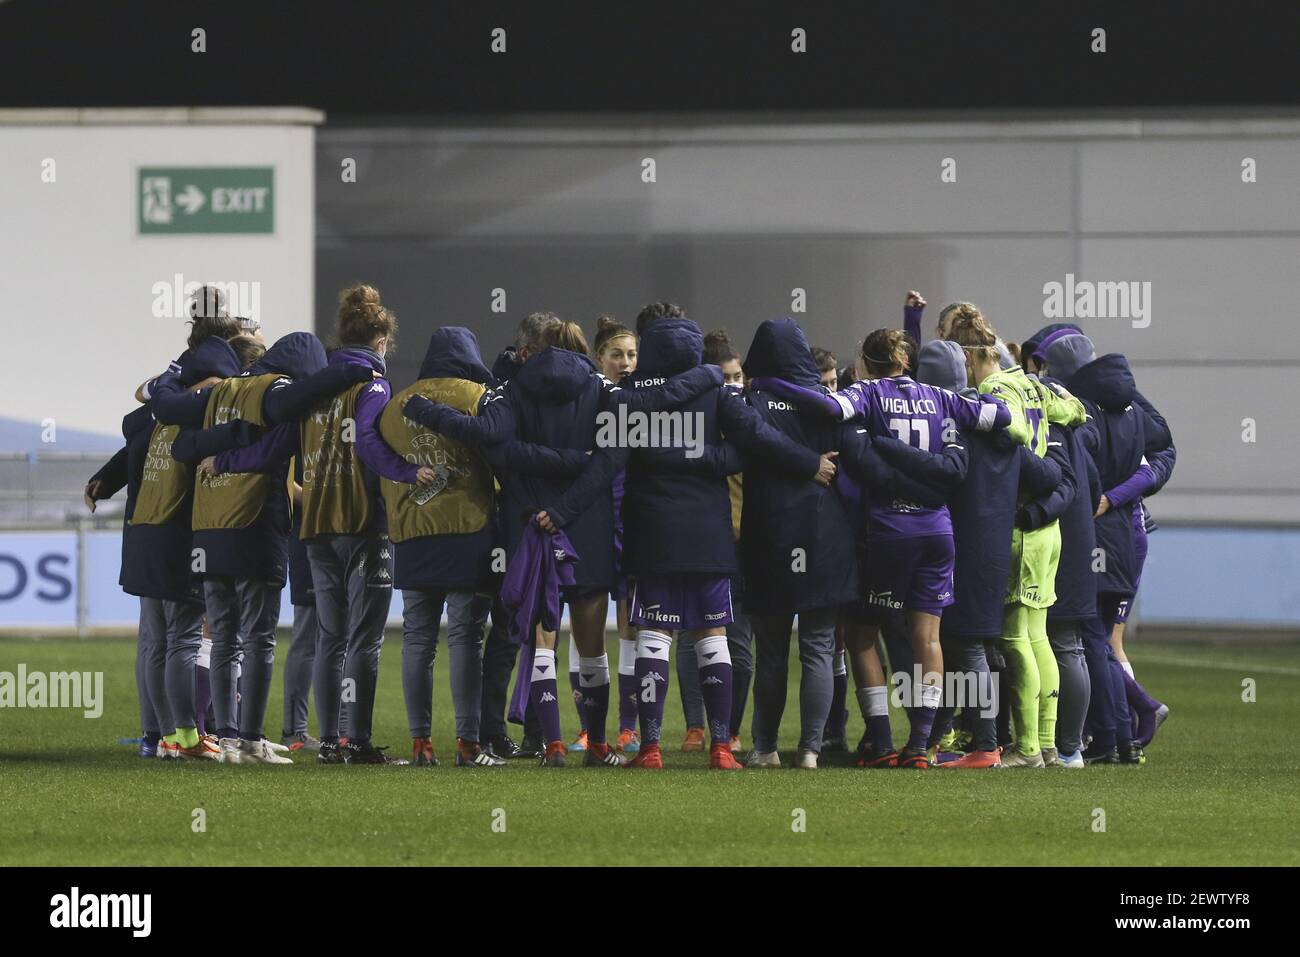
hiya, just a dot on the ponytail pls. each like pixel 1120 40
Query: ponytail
pixel 884 351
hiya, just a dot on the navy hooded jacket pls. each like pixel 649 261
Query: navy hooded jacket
pixel 156 559
pixel 983 510
pixel 1076 586
pixel 302 591
pixel 553 401
pixel 676 521
pixel 1160 458
pixel 797 536
pixel 260 551
pixel 461 561
pixel 1116 437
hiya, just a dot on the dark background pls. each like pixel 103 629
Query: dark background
pixel 361 61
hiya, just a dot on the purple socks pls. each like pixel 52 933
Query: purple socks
pixel 652 682
pixel 202 698
pixel 593 696
pixel 922 716
pixel 1144 708
pixel 574 686
pixel 543 693
pixel 715 685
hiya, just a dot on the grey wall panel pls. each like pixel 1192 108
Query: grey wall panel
pixel 791 188
pixel 1189 185
pixel 1205 408
pixel 1213 298
pixel 740 216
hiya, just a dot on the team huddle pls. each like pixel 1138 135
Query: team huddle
pixel 960 524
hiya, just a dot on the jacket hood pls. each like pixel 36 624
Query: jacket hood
pixel 136 420
pixel 212 357
pixel 669 346
pixel 1107 381
pixel 942 362
pixel 453 354
pixel 781 351
pixel 1035 344
pixel 555 375
pixel 1068 354
pixel 297 355
pixel 359 356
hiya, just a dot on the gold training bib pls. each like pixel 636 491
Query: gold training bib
pixel 233 500
pixel 460 500
pixel 165 482
pixel 334 496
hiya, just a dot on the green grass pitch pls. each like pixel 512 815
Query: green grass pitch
pixel 1218 789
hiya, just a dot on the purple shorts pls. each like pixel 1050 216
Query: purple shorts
pixel 913 574
pixel 621 588
pixel 1140 554
pixel 685 602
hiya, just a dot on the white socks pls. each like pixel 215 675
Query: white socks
pixel 593 672
pixel 873 702
pixel 712 650
pixel 627 656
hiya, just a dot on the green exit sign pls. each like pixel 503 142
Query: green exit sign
pixel 207 199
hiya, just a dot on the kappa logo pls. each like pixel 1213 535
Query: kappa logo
pixel 716 617
pixel 712 680
pixel 376 388
pixel 547 696
pixel 561 554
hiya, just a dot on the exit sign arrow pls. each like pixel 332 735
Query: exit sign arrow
pixel 191 199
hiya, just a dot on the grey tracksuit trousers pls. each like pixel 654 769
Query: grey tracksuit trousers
pixel 421 618
pixel 816 653
pixel 352 576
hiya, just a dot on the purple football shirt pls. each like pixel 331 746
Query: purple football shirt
pixel 922 416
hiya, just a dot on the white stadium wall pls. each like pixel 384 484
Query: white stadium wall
pixel 78 274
